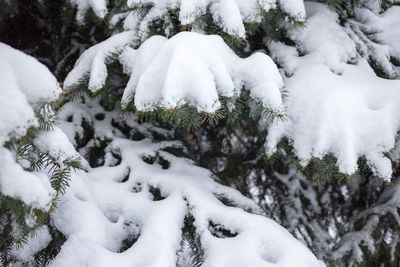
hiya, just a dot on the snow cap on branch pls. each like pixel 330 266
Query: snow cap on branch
pixel 188 68
pixel 24 83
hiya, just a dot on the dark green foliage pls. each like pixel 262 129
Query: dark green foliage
pixel 130 240
pixel 18 222
pixel 45 255
pixel 165 164
pixel 156 193
pixel 191 253
pixel 220 231
pixel 96 155
pixel 49 33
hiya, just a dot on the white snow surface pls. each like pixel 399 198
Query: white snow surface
pixel 101 209
pixel 337 105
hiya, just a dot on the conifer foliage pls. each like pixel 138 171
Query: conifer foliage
pixel 100 169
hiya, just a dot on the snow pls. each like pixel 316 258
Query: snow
pixel 187 68
pixel 93 61
pixel 24 83
pixel 383 27
pixel 57 145
pixel 353 242
pixel 99 211
pixel 381 33
pixel 337 105
pixel 229 14
pixel 34 244
pixel 346 110
pixel 295 8
pixel 33 188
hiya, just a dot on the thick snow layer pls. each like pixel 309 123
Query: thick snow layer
pixel 230 15
pixel 188 68
pixel 109 204
pixel 335 107
pixel 24 82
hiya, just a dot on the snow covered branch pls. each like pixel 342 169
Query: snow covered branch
pixel 188 68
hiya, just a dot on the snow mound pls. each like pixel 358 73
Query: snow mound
pixel 124 213
pixel 188 68
pixel 337 105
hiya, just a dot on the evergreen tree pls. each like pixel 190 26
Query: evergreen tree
pixel 292 103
